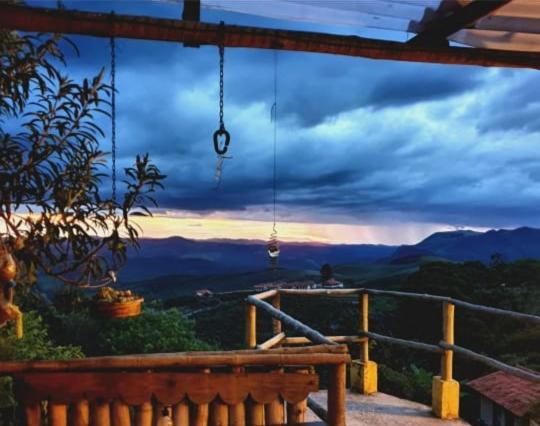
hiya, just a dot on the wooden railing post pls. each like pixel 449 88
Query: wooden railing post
pixel 364 325
pixel 445 390
pixel 276 324
pixel 251 326
pixel 364 371
pixel 336 395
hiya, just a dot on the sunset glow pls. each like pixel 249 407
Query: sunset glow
pixel 162 226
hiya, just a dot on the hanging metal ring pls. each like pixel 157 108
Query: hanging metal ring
pixel 221 132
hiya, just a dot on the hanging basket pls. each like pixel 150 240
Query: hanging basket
pixel 119 309
pixel 110 303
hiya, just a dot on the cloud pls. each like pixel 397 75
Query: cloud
pixel 359 141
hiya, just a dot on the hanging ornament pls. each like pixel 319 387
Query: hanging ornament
pixel 273 242
pixel 165 419
pixel 8 272
pixel 273 249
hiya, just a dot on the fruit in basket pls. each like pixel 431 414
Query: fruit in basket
pixel 110 295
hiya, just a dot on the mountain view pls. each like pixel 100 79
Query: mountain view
pixel 175 266
pixel 285 182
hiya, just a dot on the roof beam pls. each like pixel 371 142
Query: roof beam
pixel 25 18
pixel 437 31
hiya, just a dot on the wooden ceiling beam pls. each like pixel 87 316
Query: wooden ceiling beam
pixel 437 31
pixel 29 19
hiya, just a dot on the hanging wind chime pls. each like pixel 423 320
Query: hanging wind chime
pixel 273 242
pixel 221 137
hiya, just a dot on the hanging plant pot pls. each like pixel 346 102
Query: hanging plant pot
pixel 110 303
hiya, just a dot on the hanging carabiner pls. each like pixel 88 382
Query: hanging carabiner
pixel 221 132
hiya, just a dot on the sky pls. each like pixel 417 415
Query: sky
pixel 368 151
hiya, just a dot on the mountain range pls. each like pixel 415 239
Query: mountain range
pixel 180 256
pixel 470 245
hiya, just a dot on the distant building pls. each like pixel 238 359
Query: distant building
pixel 204 292
pixel 506 400
pixel 299 285
pixel 332 283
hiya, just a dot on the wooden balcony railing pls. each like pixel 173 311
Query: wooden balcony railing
pixel 260 387
pixel 445 390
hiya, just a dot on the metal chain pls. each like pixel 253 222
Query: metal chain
pixel 221 65
pixel 113 116
pixel 275 118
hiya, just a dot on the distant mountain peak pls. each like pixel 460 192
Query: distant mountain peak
pixel 460 245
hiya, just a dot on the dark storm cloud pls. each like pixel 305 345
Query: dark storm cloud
pixel 516 107
pixel 358 139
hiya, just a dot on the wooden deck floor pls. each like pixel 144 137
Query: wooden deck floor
pixel 382 409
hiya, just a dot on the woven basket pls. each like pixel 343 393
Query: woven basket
pixel 119 309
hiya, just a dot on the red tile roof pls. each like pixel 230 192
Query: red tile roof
pixel 515 394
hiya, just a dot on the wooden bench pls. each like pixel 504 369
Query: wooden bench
pixel 253 387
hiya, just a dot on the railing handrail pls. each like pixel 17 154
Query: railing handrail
pixel 420 296
pixel 328 354
pixel 441 347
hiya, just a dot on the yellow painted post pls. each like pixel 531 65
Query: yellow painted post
pixel 445 390
pixel 276 324
pixel 251 326
pixel 363 371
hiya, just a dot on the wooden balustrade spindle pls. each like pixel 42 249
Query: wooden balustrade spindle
pixel 296 413
pixel 219 413
pixel 57 414
pixel 32 413
pixel 237 412
pixel 275 412
pixel 100 414
pixel 143 414
pixel 120 414
pixel 181 413
pixel 251 326
pixel 255 413
pixel 81 413
pixel 199 412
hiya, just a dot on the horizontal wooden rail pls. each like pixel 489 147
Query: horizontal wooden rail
pixel 300 327
pixel 273 341
pixel 457 302
pixel 338 339
pixel 266 294
pixel 493 363
pixel 34 19
pixel 403 342
pixel 313 355
pixel 418 296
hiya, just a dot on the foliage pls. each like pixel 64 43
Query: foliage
pixel 152 331
pixel 51 170
pixel 412 382
pixel 36 345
